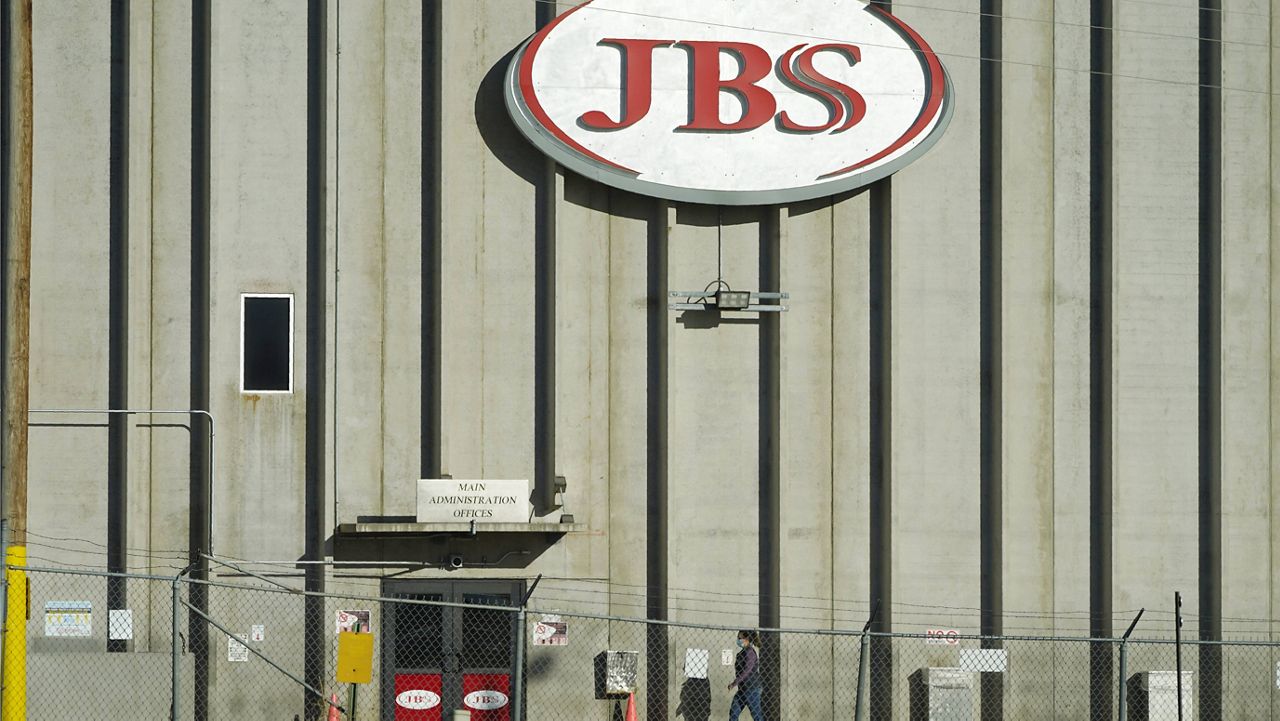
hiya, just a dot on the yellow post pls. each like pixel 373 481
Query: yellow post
pixel 13 697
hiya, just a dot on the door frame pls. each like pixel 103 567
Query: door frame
pixel 450 591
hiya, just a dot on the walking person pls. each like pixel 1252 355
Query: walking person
pixel 746 667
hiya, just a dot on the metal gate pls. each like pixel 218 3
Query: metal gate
pixel 458 655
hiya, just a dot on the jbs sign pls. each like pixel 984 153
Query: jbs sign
pixel 707 81
pixel 730 101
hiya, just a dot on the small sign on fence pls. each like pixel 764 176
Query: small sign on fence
pixel 942 637
pixel 68 619
pixel 120 624
pixel 237 652
pixel 344 621
pixel 696 662
pixel 355 657
pixel 551 631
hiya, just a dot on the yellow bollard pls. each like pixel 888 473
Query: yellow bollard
pixel 13 698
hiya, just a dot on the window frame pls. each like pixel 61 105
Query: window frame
pixel 244 298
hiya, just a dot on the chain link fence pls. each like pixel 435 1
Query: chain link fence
pixel 104 646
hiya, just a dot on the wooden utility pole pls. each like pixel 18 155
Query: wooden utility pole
pixel 17 269
pixel 17 346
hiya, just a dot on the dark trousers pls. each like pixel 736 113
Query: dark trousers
pixel 750 698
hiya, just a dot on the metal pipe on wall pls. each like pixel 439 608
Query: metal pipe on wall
pixel 154 411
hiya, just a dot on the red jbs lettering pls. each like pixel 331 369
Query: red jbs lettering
pixel 795 68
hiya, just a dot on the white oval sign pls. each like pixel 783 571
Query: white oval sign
pixel 418 699
pixel 734 102
pixel 485 700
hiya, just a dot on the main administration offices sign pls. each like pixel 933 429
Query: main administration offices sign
pixel 729 102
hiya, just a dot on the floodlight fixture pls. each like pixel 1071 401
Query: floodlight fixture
pixel 727 299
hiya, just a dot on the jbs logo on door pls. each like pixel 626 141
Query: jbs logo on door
pixel 730 101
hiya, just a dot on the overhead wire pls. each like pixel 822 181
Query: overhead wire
pixel 566 584
pixel 923 613
pixel 677 594
pixel 979 57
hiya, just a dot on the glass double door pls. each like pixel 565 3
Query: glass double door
pixel 439 658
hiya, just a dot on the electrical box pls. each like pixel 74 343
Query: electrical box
pixel 1153 696
pixel 616 673
pixel 944 694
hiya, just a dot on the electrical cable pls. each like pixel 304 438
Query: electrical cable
pixel 1002 61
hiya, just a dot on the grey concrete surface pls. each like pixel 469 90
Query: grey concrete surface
pixel 603 354
pixel 1155 283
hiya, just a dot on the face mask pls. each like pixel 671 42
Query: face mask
pixel 742 644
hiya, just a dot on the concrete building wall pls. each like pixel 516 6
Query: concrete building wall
pixel 662 420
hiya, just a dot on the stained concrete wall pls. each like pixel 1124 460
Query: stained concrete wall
pixel 611 408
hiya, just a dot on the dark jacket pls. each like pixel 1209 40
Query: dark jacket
pixel 746 666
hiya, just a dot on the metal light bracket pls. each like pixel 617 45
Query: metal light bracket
pixel 722 300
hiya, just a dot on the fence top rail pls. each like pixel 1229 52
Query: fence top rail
pixel 700 626
pixel 1080 639
pixel 281 591
pixel 92 572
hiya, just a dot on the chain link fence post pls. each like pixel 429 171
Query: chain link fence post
pixel 864 648
pixel 517 681
pixel 1123 694
pixel 1124 674
pixel 175 649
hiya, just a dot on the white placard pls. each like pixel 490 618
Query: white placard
pixel 237 651
pixel 726 658
pixel 696 662
pixel 258 633
pixel 120 624
pixel 460 501
pixel 68 619
pixel 551 630
pixel 984 660
pixel 942 637
pixel 351 621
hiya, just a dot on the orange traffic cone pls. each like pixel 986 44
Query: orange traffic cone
pixel 631 708
pixel 333 708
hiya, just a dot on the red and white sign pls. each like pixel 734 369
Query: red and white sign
pixel 418 697
pixel 735 102
pixel 551 631
pixel 486 696
pixel 942 637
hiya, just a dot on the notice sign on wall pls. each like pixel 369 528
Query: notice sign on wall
pixel 237 651
pixel 551 631
pixel 68 619
pixel 455 501
pixel 358 621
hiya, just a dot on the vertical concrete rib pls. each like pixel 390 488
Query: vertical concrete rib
pixel 770 430
pixel 431 241
pixel 656 432
pixel 314 646
pixel 880 398
pixel 991 523
pixel 118 315
pixel 201 483
pixel 1210 357
pixel 1100 354
pixel 544 426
